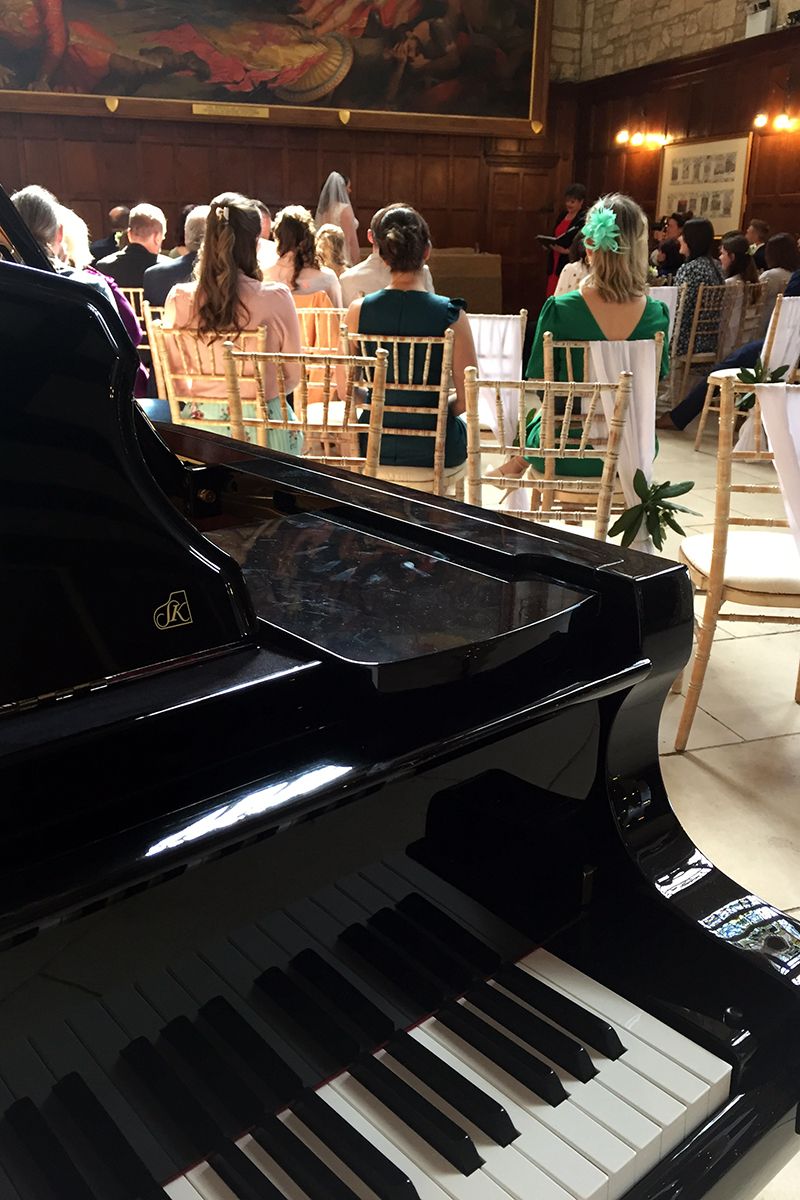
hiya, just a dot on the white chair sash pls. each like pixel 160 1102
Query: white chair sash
pixel 498 343
pixel 670 297
pixel 786 342
pixel 637 448
pixel 780 412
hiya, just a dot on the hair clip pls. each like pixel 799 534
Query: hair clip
pixel 222 212
pixel 601 231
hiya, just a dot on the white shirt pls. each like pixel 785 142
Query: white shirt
pixel 371 275
pixel 267 253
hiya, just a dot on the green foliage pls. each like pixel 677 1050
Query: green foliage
pixel 655 510
pixel 757 375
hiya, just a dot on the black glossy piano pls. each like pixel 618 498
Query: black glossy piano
pixel 336 861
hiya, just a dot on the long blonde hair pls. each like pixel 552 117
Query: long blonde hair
pixel 622 275
pixel 230 245
pixel 330 247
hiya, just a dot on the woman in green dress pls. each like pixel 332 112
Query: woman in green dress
pixel 611 304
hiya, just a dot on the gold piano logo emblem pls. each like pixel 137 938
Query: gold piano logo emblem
pixel 174 613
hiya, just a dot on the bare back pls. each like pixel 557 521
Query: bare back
pixel 616 321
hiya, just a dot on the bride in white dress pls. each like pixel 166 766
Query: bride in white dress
pixel 335 208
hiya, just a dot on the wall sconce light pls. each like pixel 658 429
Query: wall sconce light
pixel 761 120
pixel 623 137
pixel 638 138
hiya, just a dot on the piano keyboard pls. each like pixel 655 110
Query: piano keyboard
pixel 500 1072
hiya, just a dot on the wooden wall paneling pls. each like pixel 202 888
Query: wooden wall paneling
pixel 433 183
pixel 80 169
pixel 42 163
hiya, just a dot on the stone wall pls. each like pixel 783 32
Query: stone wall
pixel 601 37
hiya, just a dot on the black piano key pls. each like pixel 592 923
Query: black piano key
pixel 568 1013
pixel 110 1144
pixel 430 954
pixel 348 999
pixel 229 1089
pixel 229 1025
pixel 368 1163
pixel 171 1093
pixel 415 982
pixel 300 1163
pixel 461 1094
pixel 434 1127
pixel 522 1065
pixel 243 1177
pixel 7 1189
pixel 312 1018
pixel 48 1153
pixel 426 915
pixel 538 1034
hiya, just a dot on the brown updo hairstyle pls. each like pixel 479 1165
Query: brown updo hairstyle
pixel 230 245
pixel 295 233
pixel 402 236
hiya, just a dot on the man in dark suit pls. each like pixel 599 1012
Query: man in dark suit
pixel 118 220
pixel 160 279
pixel 757 233
pixel 146 228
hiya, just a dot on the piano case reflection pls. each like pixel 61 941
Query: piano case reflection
pixel 337 861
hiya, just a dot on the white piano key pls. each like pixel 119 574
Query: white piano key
pixel 641 1134
pixel 655 1105
pixel 268 1167
pixel 427 1188
pixel 714 1071
pixel 208 1184
pixel 559 1160
pixel 477 1186
pixel 678 1082
pixel 181 1189
pixel 608 1153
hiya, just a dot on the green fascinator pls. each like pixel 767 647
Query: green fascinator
pixel 601 231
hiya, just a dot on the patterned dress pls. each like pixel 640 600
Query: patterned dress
pixel 693 273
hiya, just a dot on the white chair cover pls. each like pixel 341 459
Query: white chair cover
pixel 670 297
pixel 780 412
pixel 637 449
pixel 498 342
pixel 785 353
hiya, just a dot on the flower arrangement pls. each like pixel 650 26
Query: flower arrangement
pixel 759 374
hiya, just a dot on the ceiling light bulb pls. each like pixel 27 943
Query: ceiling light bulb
pixel 761 120
pixel 782 122
pixel 622 137
pixel 637 139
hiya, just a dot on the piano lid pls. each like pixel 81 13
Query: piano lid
pixel 101 577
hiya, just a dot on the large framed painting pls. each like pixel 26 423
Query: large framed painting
pixel 453 59
pixel 707 178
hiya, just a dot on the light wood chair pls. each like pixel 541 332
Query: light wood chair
pixel 573 427
pixel 320 328
pixel 333 435
pixel 579 369
pixel 744 561
pixel 135 297
pixel 711 402
pixel 195 376
pixel 150 315
pixel 717 312
pixel 413 366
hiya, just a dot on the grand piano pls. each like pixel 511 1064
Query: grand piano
pixel 337 862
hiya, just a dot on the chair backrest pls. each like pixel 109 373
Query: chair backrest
pixel 320 327
pixel 415 365
pixel 782 343
pixel 330 429
pixel 577 421
pixel 135 297
pixel 578 360
pixel 752 313
pixel 498 339
pixel 150 315
pixel 780 412
pixel 194 371
pixel 717 308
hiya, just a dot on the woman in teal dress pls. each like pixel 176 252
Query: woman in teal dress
pixel 611 305
pixel 406 308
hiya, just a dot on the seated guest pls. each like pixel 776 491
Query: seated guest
pixel 407 308
pixel 298 264
pixel 118 223
pixel 736 260
pixel 159 280
pixel 746 356
pixel 267 250
pixel 331 249
pixel 576 269
pixel 697 247
pixel 180 248
pixel 658 235
pixel 229 297
pixel 39 210
pixel 373 274
pixel 675 223
pixel 146 228
pixel 612 305
pixel 668 258
pixel 757 233
pixel 783 259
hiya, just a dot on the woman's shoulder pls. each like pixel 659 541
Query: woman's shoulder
pixel 656 313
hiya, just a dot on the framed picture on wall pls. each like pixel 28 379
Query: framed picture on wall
pixel 707 178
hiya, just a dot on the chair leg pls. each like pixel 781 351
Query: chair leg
pixel 677 684
pixel 459 490
pixel 704 415
pixel 705 640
